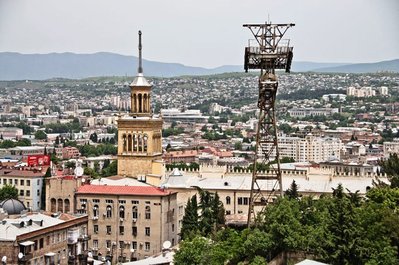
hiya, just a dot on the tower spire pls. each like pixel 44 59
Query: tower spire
pixel 140 70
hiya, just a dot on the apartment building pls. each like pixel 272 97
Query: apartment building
pixel 310 148
pixel 39 238
pixel 128 222
pixel 28 182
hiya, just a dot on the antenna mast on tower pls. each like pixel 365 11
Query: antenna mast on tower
pixel 268 53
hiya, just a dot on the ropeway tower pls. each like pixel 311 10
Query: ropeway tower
pixel 268 52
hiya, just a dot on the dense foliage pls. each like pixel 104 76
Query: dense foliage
pixel 202 218
pixel 8 191
pixel 341 229
pixel 11 144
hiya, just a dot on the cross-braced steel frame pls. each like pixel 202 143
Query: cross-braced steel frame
pixel 268 54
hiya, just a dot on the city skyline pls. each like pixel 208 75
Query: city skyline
pixel 201 33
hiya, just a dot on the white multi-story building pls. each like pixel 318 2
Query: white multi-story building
pixel 29 184
pixel 304 112
pixel 391 147
pixel 364 92
pixel 310 148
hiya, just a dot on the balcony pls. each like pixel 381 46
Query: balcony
pixel 26 258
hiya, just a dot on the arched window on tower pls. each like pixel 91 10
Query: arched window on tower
pixel 67 206
pixel 53 208
pixel 145 103
pixel 145 139
pixel 134 103
pixel 134 142
pixel 60 207
pixel 140 143
pixel 140 103
pixel 129 143
pixel 124 142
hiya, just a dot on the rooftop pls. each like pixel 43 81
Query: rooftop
pixel 122 190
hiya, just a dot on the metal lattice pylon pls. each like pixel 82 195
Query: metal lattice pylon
pixel 269 53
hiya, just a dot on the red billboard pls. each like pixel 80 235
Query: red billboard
pixel 38 160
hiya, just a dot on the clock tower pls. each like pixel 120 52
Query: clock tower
pixel 140 133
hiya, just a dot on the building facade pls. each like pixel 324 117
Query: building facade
pixel 128 222
pixel 28 182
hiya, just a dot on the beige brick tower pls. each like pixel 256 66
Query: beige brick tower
pixel 140 133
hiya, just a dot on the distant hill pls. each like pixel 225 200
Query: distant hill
pixel 16 66
pixel 391 66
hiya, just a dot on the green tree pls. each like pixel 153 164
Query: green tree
pixel 238 146
pixel 43 193
pixel 192 252
pixel 292 192
pixel 190 218
pixel 7 144
pixel 8 192
pixel 40 135
pixel 391 168
pixel 23 142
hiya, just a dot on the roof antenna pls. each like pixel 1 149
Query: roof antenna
pixel 140 57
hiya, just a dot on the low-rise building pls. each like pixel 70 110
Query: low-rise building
pixel 40 238
pixel 29 183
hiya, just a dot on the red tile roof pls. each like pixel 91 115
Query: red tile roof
pixel 121 190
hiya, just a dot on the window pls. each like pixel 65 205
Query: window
pixel 95 243
pixel 147 246
pixel 122 212
pixel 134 212
pixel 22 182
pixel 181 211
pixel 28 193
pixel 228 212
pixel 122 201
pixel 173 227
pixel 96 201
pixel 108 230
pixel 147 231
pixel 21 192
pixel 121 229
pixel 28 183
pixel 95 229
pixel 134 230
pixel 246 200
pixel 109 211
pixel 35 245
pixel 108 243
pixel 239 200
pixel 38 182
pixel 228 200
pixel 41 243
pixel 38 192
pixel 15 181
pixel 109 201
pixel 147 212
pixel 135 202
pixel 10 181
pixel 134 245
pixel 121 244
pixel 95 211
pixel 147 202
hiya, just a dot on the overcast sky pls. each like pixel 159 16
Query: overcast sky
pixel 206 33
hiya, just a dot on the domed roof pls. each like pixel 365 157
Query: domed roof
pixel 12 206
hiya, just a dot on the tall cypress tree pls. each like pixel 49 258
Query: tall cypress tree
pixel 190 218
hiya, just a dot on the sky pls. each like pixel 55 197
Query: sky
pixel 206 33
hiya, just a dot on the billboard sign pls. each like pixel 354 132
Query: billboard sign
pixel 38 160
